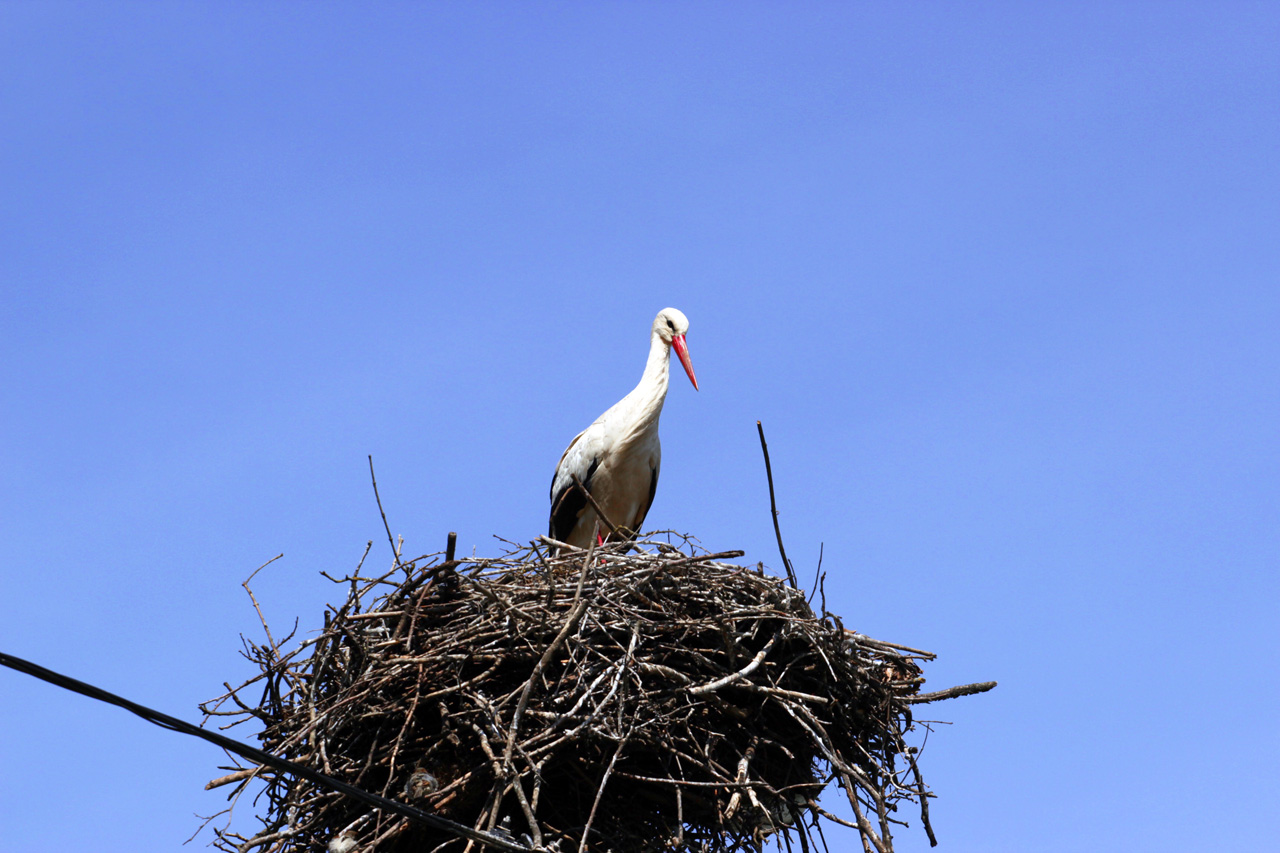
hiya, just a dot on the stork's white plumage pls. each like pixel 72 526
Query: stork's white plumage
pixel 618 457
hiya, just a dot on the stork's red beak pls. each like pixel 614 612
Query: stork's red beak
pixel 683 352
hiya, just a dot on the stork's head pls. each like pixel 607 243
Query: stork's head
pixel 671 325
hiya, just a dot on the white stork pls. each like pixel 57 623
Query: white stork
pixel 618 457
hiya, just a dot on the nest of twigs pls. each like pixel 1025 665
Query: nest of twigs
pixel 640 698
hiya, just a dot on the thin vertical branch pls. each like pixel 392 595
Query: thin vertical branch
pixel 817 573
pixel 773 506
pixel 604 780
pixel 923 793
pixel 252 598
pixel 395 552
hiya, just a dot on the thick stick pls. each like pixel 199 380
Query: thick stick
pixel 951 692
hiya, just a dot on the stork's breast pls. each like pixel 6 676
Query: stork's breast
pixel 621 487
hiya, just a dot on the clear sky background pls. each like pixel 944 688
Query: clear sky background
pixel 1001 280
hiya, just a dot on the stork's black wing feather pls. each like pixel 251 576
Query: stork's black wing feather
pixel 568 504
pixel 644 510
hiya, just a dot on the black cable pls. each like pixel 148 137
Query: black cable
pixel 257 755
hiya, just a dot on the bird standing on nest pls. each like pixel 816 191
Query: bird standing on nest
pixel 618 457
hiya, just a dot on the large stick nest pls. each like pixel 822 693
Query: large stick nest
pixel 640 698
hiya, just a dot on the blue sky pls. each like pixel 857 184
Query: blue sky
pixel 1001 281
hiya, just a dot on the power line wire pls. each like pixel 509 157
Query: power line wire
pixel 257 755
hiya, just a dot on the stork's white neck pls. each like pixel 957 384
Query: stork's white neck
pixel 644 403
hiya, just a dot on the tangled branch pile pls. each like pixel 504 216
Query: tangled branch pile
pixel 647 700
